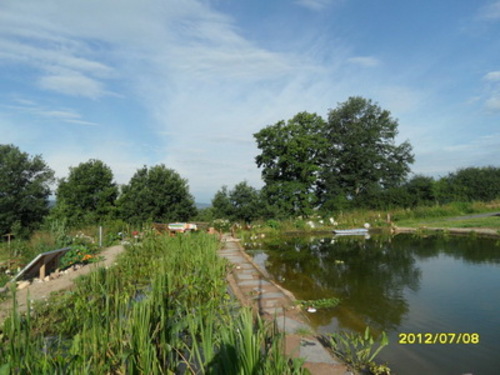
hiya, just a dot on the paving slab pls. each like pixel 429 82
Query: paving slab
pixel 313 351
pixel 271 295
pixel 254 283
pixel 247 266
pixel 289 325
pixel 244 277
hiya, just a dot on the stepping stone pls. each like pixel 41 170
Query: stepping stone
pixel 244 277
pixel 253 283
pixel 313 351
pixel 290 325
pixel 272 303
pixel 271 295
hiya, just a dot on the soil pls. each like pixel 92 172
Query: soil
pixel 42 290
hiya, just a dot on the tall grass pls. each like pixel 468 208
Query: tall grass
pixel 163 309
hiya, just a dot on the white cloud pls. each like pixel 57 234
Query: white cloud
pixel 480 151
pixel 65 115
pixel 366 61
pixel 492 76
pixel 74 84
pixel 493 104
pixel 314 4
pixel 490 11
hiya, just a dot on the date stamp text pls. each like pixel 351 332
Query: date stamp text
pixel 438 338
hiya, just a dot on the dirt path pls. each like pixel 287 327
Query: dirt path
pixel 42 290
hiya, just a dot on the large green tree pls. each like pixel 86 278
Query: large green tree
pixel 24 189
pixel 290 158
pixel 221 204
pixel 242 203
pixel 157 194
pixel 88 194
pixel 362 156
pixel 245 202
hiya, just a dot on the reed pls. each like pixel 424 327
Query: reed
pixel 163 309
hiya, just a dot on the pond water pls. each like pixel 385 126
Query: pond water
pixel 401 284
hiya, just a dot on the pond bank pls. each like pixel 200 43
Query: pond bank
pixel 252 286
pixel 484 232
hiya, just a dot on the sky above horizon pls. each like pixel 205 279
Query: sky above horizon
pixel 187 83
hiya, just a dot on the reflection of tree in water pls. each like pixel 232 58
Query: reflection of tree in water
pixel 365 274
pixel 370 276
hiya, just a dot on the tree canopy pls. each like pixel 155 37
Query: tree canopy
pixel 240 204
pixel 88 194
pixel 308 162
pixel 24 189
pixel 156 194
pixel 362 155
pixel 291 155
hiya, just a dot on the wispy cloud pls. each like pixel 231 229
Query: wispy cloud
pixel 72 83
pixel 493 103
pixel 64 115
pixel 490 11
pixel 492 76
pixel 492 89
pixel 314 4
pixel 366 61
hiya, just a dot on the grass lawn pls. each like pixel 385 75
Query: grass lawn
pixel 490 222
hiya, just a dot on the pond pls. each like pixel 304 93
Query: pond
pixel 401 284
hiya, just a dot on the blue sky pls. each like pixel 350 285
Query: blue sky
pixel 187 82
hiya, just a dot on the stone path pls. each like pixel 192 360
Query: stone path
pixel 253 288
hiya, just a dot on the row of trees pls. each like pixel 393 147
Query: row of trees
pixel 308 162
pixel 244 203
pixel 350 160
pixel 88 195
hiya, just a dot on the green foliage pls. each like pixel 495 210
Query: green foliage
pixel 245 202
pixel 290 159
pixel 470 184
pixel 156 194
pixel 362 155
pixel 360 350
pixel 88 194
pixel 273 224
pixel 24 190
pixel 79 254
pixel 344 162
pixel 242 203
pixel 322 303
pixel 160 310
pixel 221 204
pixel 222 225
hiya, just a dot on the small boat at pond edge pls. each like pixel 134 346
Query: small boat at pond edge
pixel 351 232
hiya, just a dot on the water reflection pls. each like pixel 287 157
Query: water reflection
pixel 400 284
pixel 369 275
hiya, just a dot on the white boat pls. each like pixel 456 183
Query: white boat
pixel 351 232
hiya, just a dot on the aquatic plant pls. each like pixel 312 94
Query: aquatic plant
pixel 360 350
